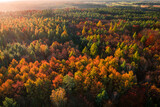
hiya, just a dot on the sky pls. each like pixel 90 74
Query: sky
pixel 16 0
pixel 31 0
pixel 10 5
pixel 27 0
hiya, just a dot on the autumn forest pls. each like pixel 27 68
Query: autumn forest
pixel 95 57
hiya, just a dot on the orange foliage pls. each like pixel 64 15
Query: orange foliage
pixel 57 81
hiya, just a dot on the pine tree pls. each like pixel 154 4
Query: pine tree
pixel 94 49
pixel 85 50
pixel 136 56
pixel 115 27
pixel 110 29
pixel 143 39
pixel 135 35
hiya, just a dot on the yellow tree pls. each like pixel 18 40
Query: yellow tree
pixel 58 97
pixel 111 29
pixel 94 49
pixel 99 24
pixel 84 30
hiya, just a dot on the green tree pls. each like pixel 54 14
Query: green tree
pixel 135 35
pixel 122 45
pixel 143 39
pixel 100 97
pixel 123 65
pixel 9 102
pixel 125 48
pixel 68 83
pixel 115 27
pixel 136 56
pixel 85 50
pixel 94 49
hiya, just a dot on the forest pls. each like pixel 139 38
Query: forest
pixel 95 57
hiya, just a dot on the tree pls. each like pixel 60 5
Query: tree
pixel 122 45
pixel 68 83
pixel 58 97
pixel 38 91
pixel 115 27
pixel 118 53
pixel 135 35
pixel 85 50
pixel 123 65
pixel 99 24
pixel 64 34
pixel 84 30
pixel 5 88
pixel 57 30
pixel 143 39
pixel 9 102
pixel 100 97
pixel 136 56
pixel 57 81
pixel 111 29
pixel 94 50
pixel 108 50
pixel 44 49
pixel 125 48
pixel 90 31
pixel 29 85
pixel 64 28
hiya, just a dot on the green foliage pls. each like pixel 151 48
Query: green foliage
pixel 135 35
pixel 100 97
pixel 85 50
pixel 115 27
pixel 94 50
pixel 9 102
pixel 136 56
pixel 143 39
pixel 68 83
pixel 123 65
pixel 122 45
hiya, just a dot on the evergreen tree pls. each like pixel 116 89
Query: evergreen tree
pixel 135 35
pixel 94 50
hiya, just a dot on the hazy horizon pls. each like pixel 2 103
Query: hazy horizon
pixel 18 5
